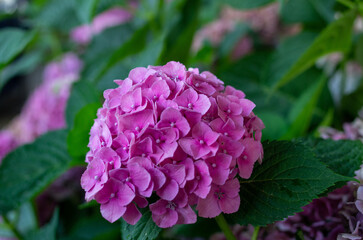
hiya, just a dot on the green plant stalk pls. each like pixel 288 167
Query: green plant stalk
pixel 12 228
pixel 255 233
pixel 222 223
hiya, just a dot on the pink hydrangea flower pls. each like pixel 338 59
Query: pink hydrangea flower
pixel 112 17
pixel 44 110
pixel 174 134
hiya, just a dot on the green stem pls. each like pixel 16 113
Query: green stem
pixel 222 223
pixel 255 233
pixel 12 228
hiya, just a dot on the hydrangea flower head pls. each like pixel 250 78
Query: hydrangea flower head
pixel 176 135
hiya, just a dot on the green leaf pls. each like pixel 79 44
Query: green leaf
pixel 30 168
pixel 133 45
pixel 311 12
pixel 302 113
pixel 47 232
pixel 78 137
pixel 82 93
pixel 203 228
pixel 179 39
pixel 86 10
pixel 359 49
pixel 246 75
pixel 352 103
pixel 13 41
pixel 148 56
pixel 336 37
pixel 247 4
pixel 88 227
pixel 343 156
pixel 144 229
pixel 23 65
pixel 289 178
pixel 52 15
pixel 275 125
pixel 231 39
pixel 287 53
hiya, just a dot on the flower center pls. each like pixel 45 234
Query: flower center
pixel 112 195
pixel 190 105
pixel 214 165
pixel 172 124
pixel 201 141
pixel 171 205
pixel 137 128
pixel 219 194
pixel 158 141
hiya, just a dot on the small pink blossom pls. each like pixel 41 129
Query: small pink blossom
pixel 168 213
pixel 221 198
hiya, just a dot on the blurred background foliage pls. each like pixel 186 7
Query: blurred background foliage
pixel 300 61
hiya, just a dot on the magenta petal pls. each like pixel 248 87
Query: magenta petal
pixel 132 214
pixel 167 220
pixel 139 176
pixel 176 172
pixel 229 205
pixel 186 144
pixel 138 74
pixel 169 190
pixel 203 104
pixel 186 215
pixel 247 106
pixel 125 194
pixel 231 188
pixel 112 210
pixel 208 207
pixel 157 177
pixel 159 207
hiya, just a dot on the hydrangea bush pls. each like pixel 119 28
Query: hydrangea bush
pixel 169 139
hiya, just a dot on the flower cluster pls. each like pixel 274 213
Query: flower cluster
pixel 44 110
pixel 352 131
pixel 112 17
pixel 177 135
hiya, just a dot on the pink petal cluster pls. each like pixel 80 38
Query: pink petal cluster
pixel 112 17
pixel 177 135
pixel 44 110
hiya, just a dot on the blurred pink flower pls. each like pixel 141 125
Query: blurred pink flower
pixel 112 17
